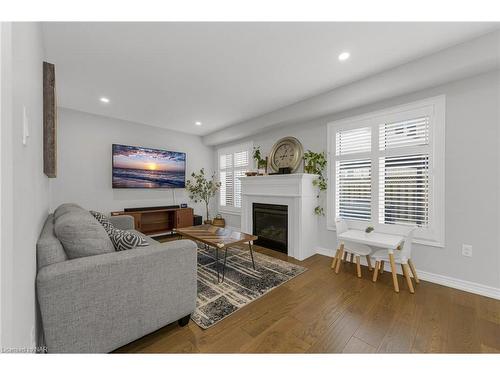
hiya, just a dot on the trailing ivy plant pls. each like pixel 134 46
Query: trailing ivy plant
pixel 315 163
pixel 261 163
pixel 202 189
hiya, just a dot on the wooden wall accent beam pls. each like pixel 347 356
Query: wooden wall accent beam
pixel 49 121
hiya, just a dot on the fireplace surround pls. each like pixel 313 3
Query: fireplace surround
pixel 297 193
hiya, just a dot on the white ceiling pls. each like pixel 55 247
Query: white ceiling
pixel 174 74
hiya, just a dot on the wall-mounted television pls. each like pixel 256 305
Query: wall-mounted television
pixel 148 168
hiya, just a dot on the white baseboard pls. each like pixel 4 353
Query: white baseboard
pixel 324 251
pixel 467 286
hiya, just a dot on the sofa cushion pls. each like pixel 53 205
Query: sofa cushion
pixel 81 234
pixel 127 239
pixel 65 208
pixel 48 248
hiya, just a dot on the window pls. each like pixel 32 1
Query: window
pixel 387 168
pixel 233 163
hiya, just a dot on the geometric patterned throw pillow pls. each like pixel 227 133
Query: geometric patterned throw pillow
pixel 126 240
pixel 103 219
pixel 122 239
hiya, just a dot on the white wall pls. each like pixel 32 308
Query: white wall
pixel 472 169
pixel 26 187
pixel 84 157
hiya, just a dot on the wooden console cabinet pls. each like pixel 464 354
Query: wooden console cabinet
pixel 155 221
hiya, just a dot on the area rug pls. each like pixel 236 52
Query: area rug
pixel 242 284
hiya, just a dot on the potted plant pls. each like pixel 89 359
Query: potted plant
pixel 261 163
pixel 315 163
pixel 201 189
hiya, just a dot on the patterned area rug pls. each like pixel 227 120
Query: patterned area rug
pixel 241 286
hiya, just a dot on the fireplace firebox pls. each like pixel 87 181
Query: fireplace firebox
pixel 270 223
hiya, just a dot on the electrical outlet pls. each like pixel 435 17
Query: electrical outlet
pixel 466 250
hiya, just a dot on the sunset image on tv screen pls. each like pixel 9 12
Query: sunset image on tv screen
pixel 139 167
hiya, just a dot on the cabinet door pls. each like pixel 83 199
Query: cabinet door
pixel 184 217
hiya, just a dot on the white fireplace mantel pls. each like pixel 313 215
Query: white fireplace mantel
pixel 297 192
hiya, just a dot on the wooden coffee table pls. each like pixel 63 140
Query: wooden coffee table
pixel 219 239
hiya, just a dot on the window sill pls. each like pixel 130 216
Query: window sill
pixel 228 211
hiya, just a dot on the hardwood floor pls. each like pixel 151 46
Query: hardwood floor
pixel 321 312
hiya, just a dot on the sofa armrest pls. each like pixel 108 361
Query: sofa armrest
pixel 125 222
pixel 102 302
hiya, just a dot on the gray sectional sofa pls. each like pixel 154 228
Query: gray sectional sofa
pixel 97 303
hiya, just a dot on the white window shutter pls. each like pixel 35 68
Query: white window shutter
pixel 412 132
pixel 404 179
pixel 353 189
pixel 237 187
pixel 404 190
pixel 353 175
pixel 241 159
pixel 353 141
pixel 232 165
pixel 225 161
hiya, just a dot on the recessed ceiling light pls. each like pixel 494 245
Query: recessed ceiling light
pixel 104 100
pixel 198 123
pixel 344 56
